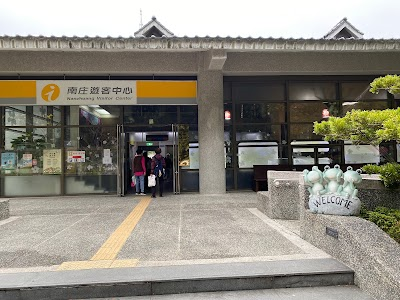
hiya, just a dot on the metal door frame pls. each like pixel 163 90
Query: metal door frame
pixel 121 153
pixel 120 161
pixel 175 160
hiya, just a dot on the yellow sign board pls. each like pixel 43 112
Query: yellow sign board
pixel 99 92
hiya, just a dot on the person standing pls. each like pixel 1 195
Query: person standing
pixel 168 167
pixel 158 169
pixel 139 170
pixel 147 161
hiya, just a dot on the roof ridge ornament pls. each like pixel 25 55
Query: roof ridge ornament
pixel 344 29
pixel 153 28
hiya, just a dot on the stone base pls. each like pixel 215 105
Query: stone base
pixel 362 246
pixel 281 201
pixel 4 209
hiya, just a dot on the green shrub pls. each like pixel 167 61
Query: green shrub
pixel 387 219
pixel 388 211
pixel 389 173
pixel 394 232
pixel 385 222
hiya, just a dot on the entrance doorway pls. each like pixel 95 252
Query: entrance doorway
pixel 163 137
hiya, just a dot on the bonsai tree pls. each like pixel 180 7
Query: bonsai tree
pixel 369 127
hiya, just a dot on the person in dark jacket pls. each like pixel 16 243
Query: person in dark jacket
pixel 159 179
pixel 139 170
pixel 147 160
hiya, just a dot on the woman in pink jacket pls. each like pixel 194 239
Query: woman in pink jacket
pixel 139 170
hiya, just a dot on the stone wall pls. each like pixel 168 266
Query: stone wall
pixel 362 246
pixel 358 243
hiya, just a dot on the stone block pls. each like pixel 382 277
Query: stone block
pixel 282 199
pixel 362 246
pixel 4 209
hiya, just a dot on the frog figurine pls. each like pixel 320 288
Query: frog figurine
pixel 351 178
pixel 314 179
pixel 333 176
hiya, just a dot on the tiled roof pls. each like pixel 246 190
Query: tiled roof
pixel 197 44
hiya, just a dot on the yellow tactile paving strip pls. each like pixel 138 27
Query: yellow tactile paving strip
pixel 105 256
pixel 97 264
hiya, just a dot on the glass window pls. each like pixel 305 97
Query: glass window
pixel 364 105
pixel 260 112
pixel 361 154
pixel 356 91
pixel 257 153
pixel 30 148
pixel 306 152
pixel 258 92
pixel 228 146
pixel 101 115
pixel 312 91
pixel 97 147
pixel 303 132
pixel 313 111
pixel 398 152
pixel 32 115
pixel 188 114
pixel 262 132
pixel 150 114
pixel 227 92
pixel 15 116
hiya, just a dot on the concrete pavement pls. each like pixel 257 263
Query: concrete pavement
pixel 99 232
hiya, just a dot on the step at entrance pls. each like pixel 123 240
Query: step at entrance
pixel 103 283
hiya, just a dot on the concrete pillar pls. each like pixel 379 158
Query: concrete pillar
pixel 211 132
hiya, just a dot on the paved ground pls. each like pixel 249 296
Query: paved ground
pixel 86 232
pixel 43 233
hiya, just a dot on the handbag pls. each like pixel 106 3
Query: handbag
pixel 151 181
pixel 133 182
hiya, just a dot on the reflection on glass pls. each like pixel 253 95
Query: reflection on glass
pixel 364 105
pixel 260 112
pixel 398 152
pixel 156 114
pixel 257 153
pixel 356 91
pixel 303 132
pixel 102 115
pixel 193 156
pixel 306 155
pixel 91 150
pixel 314 111
pixel 312 91
pixel 29 150
pixel 361 154
pixel 14 116
pixel 262 132
pixel 258 92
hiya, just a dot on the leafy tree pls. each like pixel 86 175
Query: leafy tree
pixel 369 127
pixel 390 83
pixel 366 127
pixel 362 127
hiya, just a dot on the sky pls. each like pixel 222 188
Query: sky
pixel 252 18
